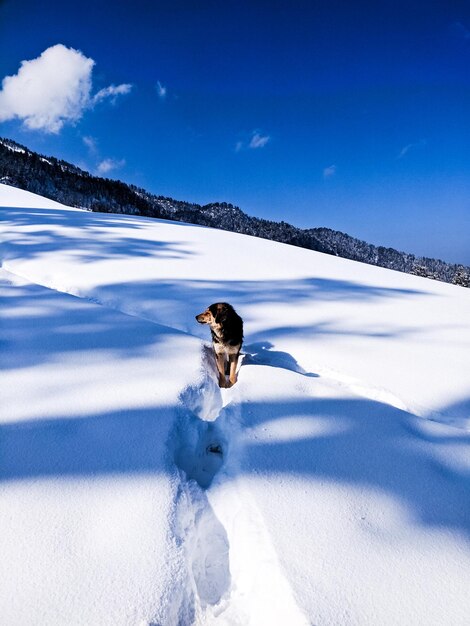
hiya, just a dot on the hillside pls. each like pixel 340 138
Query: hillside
pixel 339 493
pixel 70 185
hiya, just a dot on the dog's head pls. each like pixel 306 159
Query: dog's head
pixel 215 314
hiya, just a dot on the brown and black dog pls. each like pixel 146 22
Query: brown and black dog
pixel 227 337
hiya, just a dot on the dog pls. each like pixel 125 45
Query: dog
pixel 227 338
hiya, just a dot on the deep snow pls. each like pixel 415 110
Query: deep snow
pixel 329 486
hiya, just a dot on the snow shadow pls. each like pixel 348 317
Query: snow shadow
pixel 456 414
pixel 308 331
pixel 88 245
pixel 200 450
pixel 365 444
pixel 39 324
pixel 182 299
pixel 261 353
pixel 118 442
pixel 356 442
pixel 207 551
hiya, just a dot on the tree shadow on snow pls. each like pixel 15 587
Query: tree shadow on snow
pixel 261 353
pixel 180 300
pixel 38 324
pixel 354 441
pixel 365 444
pixel 87 245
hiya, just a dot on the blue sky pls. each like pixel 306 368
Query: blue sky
pixel 351 115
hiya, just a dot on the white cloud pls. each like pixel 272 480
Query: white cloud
pixel 48 91
pixel 258 141
pixel 405 150
pixel 111 92
pixel 329 171
pixel 411 146
pixel 90 143
pixel 52 90
pixel 161 90
pixel 107 165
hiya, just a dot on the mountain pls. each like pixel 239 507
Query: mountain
pixel 68 184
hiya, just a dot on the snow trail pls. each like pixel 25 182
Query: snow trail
pixel 233 574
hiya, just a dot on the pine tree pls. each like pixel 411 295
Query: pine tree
pixel 461 277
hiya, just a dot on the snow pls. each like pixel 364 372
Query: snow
pixel 12 147
pixel 330 485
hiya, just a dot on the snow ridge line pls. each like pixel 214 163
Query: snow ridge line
pixel 359 388
pixel 93 300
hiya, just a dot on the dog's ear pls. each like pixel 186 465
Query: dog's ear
pixel 221 315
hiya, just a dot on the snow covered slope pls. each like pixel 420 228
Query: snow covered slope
pixel 329 486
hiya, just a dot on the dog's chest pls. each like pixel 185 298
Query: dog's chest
pixel 220 346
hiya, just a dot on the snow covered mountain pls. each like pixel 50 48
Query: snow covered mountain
pixel 338 492
pixel 64 182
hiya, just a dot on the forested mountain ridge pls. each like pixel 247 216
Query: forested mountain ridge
pixel 68 184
